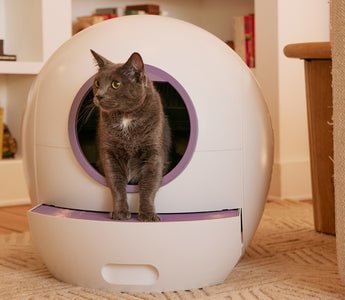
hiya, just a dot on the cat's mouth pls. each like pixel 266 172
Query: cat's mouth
pixel 96 102
pixel 101 104
pixel 108 105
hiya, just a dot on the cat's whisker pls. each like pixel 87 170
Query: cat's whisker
pixel 85 115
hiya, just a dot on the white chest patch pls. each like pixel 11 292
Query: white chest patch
pixel 126 123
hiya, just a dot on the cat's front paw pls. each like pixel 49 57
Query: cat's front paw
pixel 148 217
pixel 121 215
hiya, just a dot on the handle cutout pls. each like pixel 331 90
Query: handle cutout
pixel 130 274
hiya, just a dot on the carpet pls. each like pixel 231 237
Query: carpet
pixel 286 259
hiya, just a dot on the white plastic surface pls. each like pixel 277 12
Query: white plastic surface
pixel 230 168
pixel 192 191
pixel 125 256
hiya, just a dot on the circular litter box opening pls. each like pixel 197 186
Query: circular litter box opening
pixel 178 108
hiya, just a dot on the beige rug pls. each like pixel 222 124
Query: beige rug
pixel 287 259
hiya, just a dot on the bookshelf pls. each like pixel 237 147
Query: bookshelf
pixel 47 25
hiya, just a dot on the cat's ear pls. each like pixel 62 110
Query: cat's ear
pixel 136 62
pixel 135 67
pixel 100 60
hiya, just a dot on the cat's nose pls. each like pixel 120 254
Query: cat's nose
pixel 99 97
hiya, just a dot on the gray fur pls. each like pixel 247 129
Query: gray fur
pixel 133 133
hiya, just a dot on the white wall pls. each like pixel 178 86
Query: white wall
pixel 266 47
pixel 280 23
pixel 55 24
pixel 2 19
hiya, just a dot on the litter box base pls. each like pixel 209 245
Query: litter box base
pixel 182 252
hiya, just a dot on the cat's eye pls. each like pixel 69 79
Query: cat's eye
pixel 115 84
pixel 96 83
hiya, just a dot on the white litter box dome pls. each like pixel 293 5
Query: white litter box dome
pixel 211 199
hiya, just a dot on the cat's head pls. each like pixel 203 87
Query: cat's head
pixel 119 87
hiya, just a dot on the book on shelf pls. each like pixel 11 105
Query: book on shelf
pixel 107 16
pixel 84 22
pixel 239 36
pixel 107 13
pixel 251 40
pixel 1 129
pixel 100 15
pixel 244 38
pixel 230 44
pixel 135 12
pixel 151 9
pixel 6 57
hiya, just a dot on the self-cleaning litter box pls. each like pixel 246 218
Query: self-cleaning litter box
pixel 211 200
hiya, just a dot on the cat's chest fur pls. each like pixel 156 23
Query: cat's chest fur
pixel 123 127
pixel 125 123
pixel 125 131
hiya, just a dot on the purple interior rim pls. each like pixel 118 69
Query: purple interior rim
pixel 155 74
pixel 53 211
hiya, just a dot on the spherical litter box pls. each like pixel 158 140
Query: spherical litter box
pixel 211 200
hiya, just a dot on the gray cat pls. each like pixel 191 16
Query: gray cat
pixel 133 133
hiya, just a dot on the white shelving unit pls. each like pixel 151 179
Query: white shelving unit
pixel 47 25
pixel 24 68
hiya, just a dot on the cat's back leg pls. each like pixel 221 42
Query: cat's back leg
pixel 150 180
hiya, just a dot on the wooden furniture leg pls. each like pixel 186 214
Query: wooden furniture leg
pixel 319 105
pixel 318 78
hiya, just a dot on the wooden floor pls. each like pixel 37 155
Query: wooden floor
pixel 14 219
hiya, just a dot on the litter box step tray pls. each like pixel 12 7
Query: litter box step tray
pixel 183 251
pixel 51 210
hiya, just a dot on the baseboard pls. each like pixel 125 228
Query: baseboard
pixel 291 180
pixel 297 198
pixel 14 202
